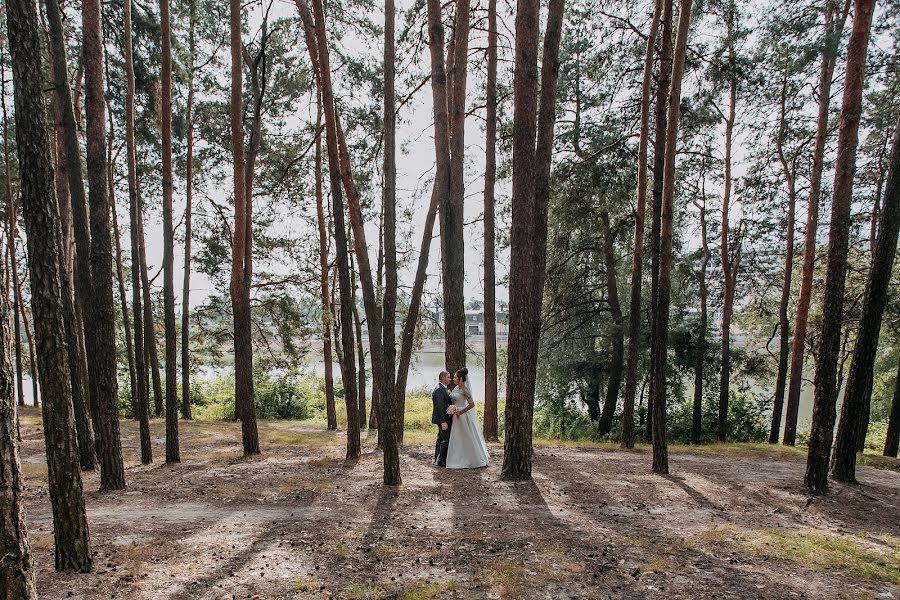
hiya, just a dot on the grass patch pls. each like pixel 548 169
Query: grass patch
pixel 363 592
pixel 341 551
pixel 307 584
pixel 426 591
pixel 824 553
pixel 506 578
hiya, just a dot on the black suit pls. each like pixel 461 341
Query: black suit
pixel 440 402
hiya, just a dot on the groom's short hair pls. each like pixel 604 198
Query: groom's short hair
pixel 442 373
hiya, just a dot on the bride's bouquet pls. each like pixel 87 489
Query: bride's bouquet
pixel 452 410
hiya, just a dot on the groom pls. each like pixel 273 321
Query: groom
pixel 440 401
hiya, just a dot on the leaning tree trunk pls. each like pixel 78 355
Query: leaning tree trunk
pixel 142 402
pixel 407 338
pixel 784 327
pixel 700 359
pixel 45 260
pixel 892 436
pixel 391 420
pixel 102 334
pixel 150 345
pixel 617 354
pixel 822 432
pixel 660 334
pixel 490 268
pixel 16 570
pixel 80 368
pixel 659 150
pixel 833 29
pixel 240 289
pixel 531 196
pixel 637 258
pixel 858 393
pixel 173 451
pixel 348 366
pixel 323 270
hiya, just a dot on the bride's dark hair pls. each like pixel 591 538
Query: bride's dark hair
pixel 463 374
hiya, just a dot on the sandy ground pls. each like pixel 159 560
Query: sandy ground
pixel 299 522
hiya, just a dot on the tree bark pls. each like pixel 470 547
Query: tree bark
pixel 173 451
pixel 531 195
pixel 16 568
pixel 79 368
pixel 391 420
pixel 188 231
pixel 240 250
pixel 324 268
pixel 784 327
pixel 892 436
pixel 12 212
pixel 142 402
pixel 822 432
pixel 490 268
pixel 348 367
pixel 660 334
pixel 858 393
pixel 101 333
pixel 659 149
pixel 150 345
pixel 637 258
pixel 833 28
pixel 617 351
pixel 45 260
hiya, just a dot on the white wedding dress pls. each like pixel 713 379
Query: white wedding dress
pixel 467 448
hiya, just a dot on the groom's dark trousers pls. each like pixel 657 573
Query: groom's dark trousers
pixel 440 401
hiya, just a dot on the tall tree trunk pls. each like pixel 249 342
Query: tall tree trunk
pixel 101 333
pixel 822 432
pixel 16 569
pixel 361 372
pixel 490 259
pixel 173 451
pixel 834 25
pixel 120 273
pixel 188 213
pixel 348 367
pixel 659 148
pixel 858 393
pixel 700 360
pixel 660 334
pixel 45 260
pixel 391 420
pixel 637 258
pixel 531 195
pixel 12 212
pixel 617 352
pixel 453 249
pixel 323 267
pixel 240 288
pixel 784 327
pixel 79 368
pixel 892 436
pixel 142 402
pixel 730 264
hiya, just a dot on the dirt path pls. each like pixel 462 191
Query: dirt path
pixel 300 523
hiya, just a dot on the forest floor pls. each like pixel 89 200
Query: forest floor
pixel 732 521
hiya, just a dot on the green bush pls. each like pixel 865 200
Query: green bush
pixel 287 396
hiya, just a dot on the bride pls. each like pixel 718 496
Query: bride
pixel 467 449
